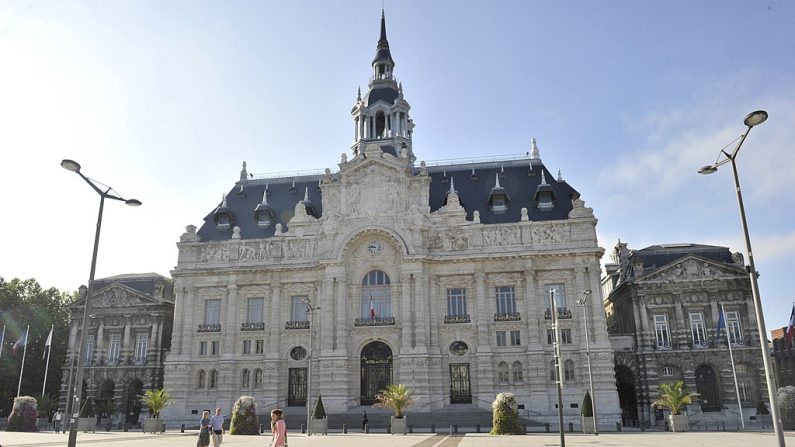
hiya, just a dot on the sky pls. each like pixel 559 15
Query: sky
pixel 163 101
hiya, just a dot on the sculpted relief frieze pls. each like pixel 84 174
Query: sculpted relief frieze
pixel 548 234
pixel 287 248
pixel 690 269
pixel 501 235
pixel 374 190
pixel 447 239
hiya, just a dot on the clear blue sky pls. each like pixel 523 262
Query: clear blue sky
pixel 164 100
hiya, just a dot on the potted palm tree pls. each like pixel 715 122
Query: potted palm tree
pixel 397 398
pixel 319 418
pixel 674 396
pixel 586 414
pixel 87 418
pixel 156 400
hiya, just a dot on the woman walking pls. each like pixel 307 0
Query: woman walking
pixel 204 430
pixel 278 428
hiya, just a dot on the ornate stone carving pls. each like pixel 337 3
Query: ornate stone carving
pixel 448 239
pixel 502 235
pixel 189 235
pixel 548 234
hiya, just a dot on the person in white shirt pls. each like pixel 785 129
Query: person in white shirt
pixel 217 426
pixel 56 420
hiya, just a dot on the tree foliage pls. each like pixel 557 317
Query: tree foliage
pixel 786 404
pixel 396 397
pixel 505 415
pixel 87 410
pixel 320 410
pixel 244 417
pixel 23 415
pixel 22 303
pixel 46 405
pixel 156 400
pixel 587 405
pixel 674 396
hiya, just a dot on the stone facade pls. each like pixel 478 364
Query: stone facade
pixel 663 305
pixel 783 356
pixel 130 318
pixel 436 277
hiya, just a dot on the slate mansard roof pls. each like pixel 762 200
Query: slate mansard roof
pixel 141 282
pixel 519 178
pixel 656 256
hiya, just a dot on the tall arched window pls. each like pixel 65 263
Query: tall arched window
pixel 568 370
pixel 213 379
pixel 257 378
pixel 518 377
pixel 376 295
pixel 246 380
pixel 200 380
pixel 502 372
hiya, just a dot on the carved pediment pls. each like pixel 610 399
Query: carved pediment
pixel 690 268
pixel 117 295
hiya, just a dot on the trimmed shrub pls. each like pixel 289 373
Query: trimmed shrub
pixel 23 414
pixel 505 415
pixel 786 402
pixel 761 408
pixel 587 406
pixel 87 411
pixel 244 417
pixel 320 411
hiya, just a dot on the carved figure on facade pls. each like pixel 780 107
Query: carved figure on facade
pixel 502 235
pixel 580 210
pixel 189 235
pixel 448 239
pixel 547 234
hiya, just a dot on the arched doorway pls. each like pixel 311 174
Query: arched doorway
pixel 707 388
pixel 104 406
pixel 376 370
pixel 627 398
pixel 132 409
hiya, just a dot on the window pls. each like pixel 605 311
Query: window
pixel 298 309
pixel 560 296
pixel 506 300
pixel 260 347
pixel 568 370
pixel 502 372
pixel 115 348
pixel 667 371
pixel 202 348
pixel 201 379
pixel 741 368
pixel 257 378
pixel 212 312
pixel 501 338
pixel 456 302
pixel 735 326
pixel 745 391
pixel 515 338
pixel 376 295
pixel 141 347
pixel 517 372
pixel 89 351
pixel 246 346
pixel 697 329
pixel 216 348
pixel 254 314
pixel 565 336
pixel 298 353
pixel 661 331
pixel 246 379
pixel 213 378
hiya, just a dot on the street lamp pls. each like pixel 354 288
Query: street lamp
pixel 753 119
pixel 582 303
pixel 73 166
pixel 558 364
pixel 310 308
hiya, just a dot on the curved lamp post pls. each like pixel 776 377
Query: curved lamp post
pixel 582 302
pixel 753 119
pixel 77 387
pixel 310 309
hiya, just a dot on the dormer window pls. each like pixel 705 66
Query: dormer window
pixel 545 195
pixel 498 198
pixel 263 213
pixel 223 216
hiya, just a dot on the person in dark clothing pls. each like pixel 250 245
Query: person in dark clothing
pixel 364 421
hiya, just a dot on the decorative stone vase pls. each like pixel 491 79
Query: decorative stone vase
pixel 154 425
pixel 587 424
pixel 87 424
pixel 320 426
pixel 398 425
pixel 678 422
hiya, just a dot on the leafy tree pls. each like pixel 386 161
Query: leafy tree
pixel 674 396
pixel 23 415
pixel 244 417
pixel 396 397
pixel 46 404
pixel 587 406
pixel 786 403
pixel 505 415
pixel 87 410
pixel 320 410
pixel 156 400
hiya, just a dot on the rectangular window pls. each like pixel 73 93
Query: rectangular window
pixel 246 346
pixel 661 331
pixel 735 326
pixel 141 347
pixel 456 302
pixel 254 314
pixel 501 338
pixel 515 338
pixel 506 300
pixel 215 348
pixel 560 296
pixel 89 351
pixel 212 312
pixel 203 348
pixel 697 329
pixel 503 376
pixel 298 309
pixel 745 391
pixel 115 348
pixel 565 336
pixel 260 346
pixel 667 371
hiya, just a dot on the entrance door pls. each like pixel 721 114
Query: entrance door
pixel 133 404
pixel 707 388
pixel 460 392
pixel 376 370
pixel 625 384
pixel 296 387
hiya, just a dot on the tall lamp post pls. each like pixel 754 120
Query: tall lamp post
pixel 310 309
pixel 582 302
pixel 558 364
pixel 753 119
pixel 76 387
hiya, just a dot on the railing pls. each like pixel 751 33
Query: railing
pixel 563 314
pixel 513 316
pixel 387 321
pixel 453 319
pixel 209 328
pixel 252 326
pixel 296 325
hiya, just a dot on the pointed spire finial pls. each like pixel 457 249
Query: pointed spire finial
pixel 497 180
pixel 452 188
pixel 265 196
pixel 306 194
pixel 359 94
pixel 243 172
pixel 223 200
pixel 543 178
pixel 534 152
pixel 560 176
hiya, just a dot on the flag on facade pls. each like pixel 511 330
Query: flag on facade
pixel 47 344
pixel 372 307
pixel 721 325
pixel 2 341
pixel 23 340
pixel 791 325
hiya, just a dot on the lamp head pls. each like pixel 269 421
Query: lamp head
pixel 755 118
pixel 586 293
pixel 70 165
pixel 133 202
pixel 709 169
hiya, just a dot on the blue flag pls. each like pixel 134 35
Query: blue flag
pixel 721 324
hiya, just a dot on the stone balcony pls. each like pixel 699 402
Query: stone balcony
pixel 209 328
pixel 563 314
pixel 252 326
pixel 290 325
pixel 512 316
pixel 378 321
pixel 454 319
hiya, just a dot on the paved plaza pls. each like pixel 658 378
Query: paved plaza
pixel 637 439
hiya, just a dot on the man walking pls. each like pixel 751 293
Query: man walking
pixel 217 426
pixel 56 420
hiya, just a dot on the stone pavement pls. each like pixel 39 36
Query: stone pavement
pixel 648 439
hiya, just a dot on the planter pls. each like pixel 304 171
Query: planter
pixel 320 426
pixel 153 425
pixel 587 424
pixel 398 426
pixel 678 422
pixel 87 424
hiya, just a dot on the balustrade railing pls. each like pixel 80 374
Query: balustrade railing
pixel 453 319
pixel 513 316
pixel 209 328
pixel 378 321
pixel 563 314
pixel 252 326
pixel 297 325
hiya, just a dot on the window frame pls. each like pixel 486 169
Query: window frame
pixel 505 297
pixel 457 302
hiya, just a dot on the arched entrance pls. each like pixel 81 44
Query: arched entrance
pixel 104 405
pixel 627 398
pixel 707 388
pixel 376 370
pixel 132 409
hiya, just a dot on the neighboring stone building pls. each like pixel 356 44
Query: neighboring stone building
pixel 433 276
pixel 783 354
pixel 662 305
pixel 130 318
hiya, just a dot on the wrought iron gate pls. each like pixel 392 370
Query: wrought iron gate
pixel 376 371
pixel 460 391
pixel 707 388
pixel 296 387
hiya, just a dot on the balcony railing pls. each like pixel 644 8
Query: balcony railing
pixel 296 325
pixel 453 319
pixel 513 316
pixel 252 326
pixel 209 328
pixel 378 321
pixel 563 314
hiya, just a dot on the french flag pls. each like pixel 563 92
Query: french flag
pixel 791 325
pixel 23 340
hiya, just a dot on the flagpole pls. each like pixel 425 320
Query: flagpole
pixel 734 370
pixel 24 353
pixel 2 341
pixel 48 347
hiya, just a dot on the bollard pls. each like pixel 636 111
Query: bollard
pixel 524 428
pixel 366 429
pixel 547 427
pixel 182 428
pixel 723 423
pixel 451 429
pixel 126 426
pixel 164 429
pixel 477 428
pixel 411 429
pixel 455 428
pixel 344 429
pixel 303 429
pixel 618 426
pixel 433 428
pixel 571 427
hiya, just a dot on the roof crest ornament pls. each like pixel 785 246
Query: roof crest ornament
pixel 223 200
pixel 306 194
pixel 265 196
pixel 243 172
pixel 535 154
pixel 359 94
pixel 560 176
pixel 497 180
pixel 543 178
pixel 452 188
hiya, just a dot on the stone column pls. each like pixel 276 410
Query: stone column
pixel 73 337
pixel 405 311
pixel 421 294
pixel 229 330
pixel 644 321
pixel 326 302
pixel 751 331
pixel 533 317
pixel 344 315
pixel 680 331
pixel 432 303
pixel 273 351
pixel 126 349
pixel 482 320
